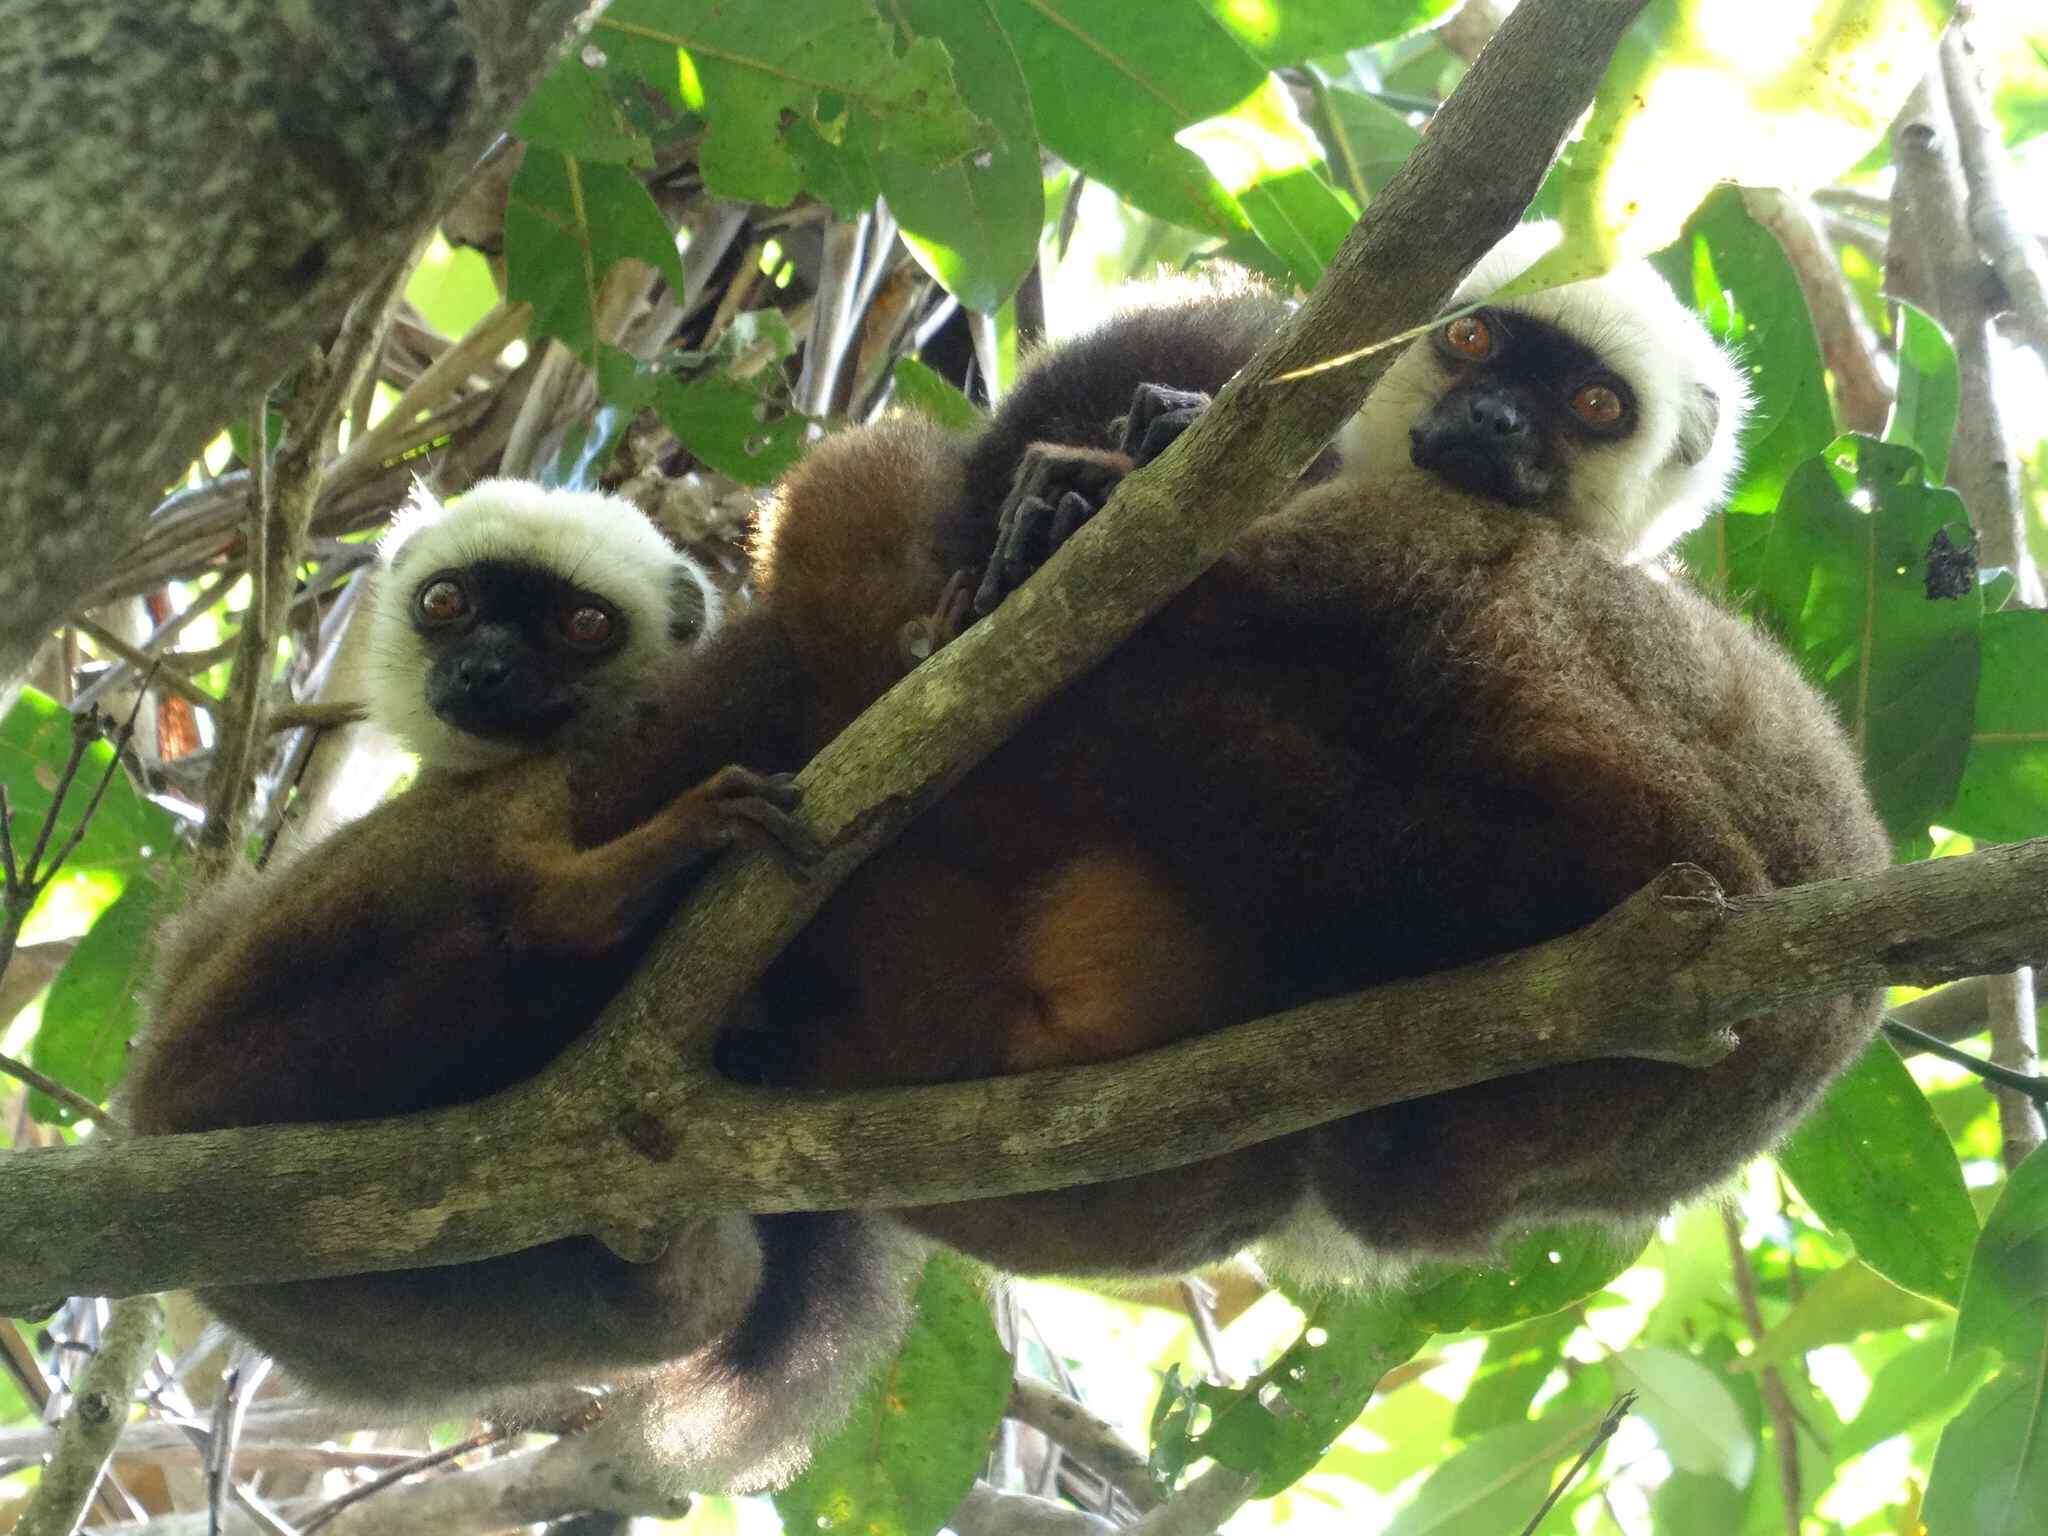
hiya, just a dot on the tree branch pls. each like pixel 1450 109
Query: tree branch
pixel 86 1441
pixel 1663 976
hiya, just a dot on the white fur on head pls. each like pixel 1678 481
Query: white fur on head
pixel 602 543
pixel 1638 495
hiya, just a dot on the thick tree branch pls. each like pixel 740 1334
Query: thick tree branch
pixel 1665 975
pixel 2017 257
pixel 154 284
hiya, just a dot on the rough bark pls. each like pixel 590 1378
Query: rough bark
pixel 193 193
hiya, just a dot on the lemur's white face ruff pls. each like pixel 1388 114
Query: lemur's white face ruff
pixel 1635 493
pixel 600 543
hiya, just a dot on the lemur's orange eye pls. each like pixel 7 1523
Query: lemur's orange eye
pixel 1598 406
pixel 442 601
pixel 1468 336
pixel 586 625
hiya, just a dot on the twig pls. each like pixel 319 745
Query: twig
pixel 398 1474
pixel 1200 1507
pixel 70 1098
pixel 151 649
pixel 1862 393
pixel 1602 1433
pixel 163 672
pixel 2030 1085
pixel 1199 1301
pixel 99 1410
pixel 448 373
pixel 1784 1423
pixel 2015 1049
pixel 320 715
pixel 1087 1437
pixel 2016 256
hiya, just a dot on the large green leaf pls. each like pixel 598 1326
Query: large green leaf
pixel 920 1433
pixel 1843 585
pixel 1844 1304
pixel 567 224
pixel 1265 154
pixel 1874 1164
pixel 2003 795
pixel 1283 32
pixel 1924 412
pixel 1517 1363
pixel 728 423
pixel 127 834
pixel 923 390
pixel 1734 275
pixel 1695 1416
pixel 2005 1300
pixel 972 224
pixel 1364 140
pixel 756 71
pixel 1990 1473
pixel 1783 93
pixel 580 109
pixel 1112 83
pixel 1921 1384
pixel 1496 1483
pixel 92 1010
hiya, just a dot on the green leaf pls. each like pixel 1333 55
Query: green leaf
pixel 1844 1304
pixel 1990 1473
pixel 1364 140
pixel 1845 589
pixel 1921 1384
pixel 973 224
pixel 1265 155
pixel 920 389
pixel 1873 1163
pixel 1697 1504
pixel 1732 273
pixel 2005 1299
pixel 1543 1272
pixel 920 1434
pixel 1692 1410
pixel 731 425
pixel 1924 413
pixel 2003 796
pixel 753 71
pixel 127 836
pixel 1291 31
pixel 92 1010
pixel 1281 1422
pixel 1517 1363
pixel 567 224
pixel 452 288
pixel 1112 83
pixel 579 111
pixel 1794 93
pixel 1494 1484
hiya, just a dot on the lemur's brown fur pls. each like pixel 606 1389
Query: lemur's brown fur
pixel 1382 737
pixel 1385 735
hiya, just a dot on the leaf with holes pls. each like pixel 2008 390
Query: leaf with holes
pixel 1282 1421
pixel 1112 83
pixel 972 224
pixel 1875 1165
pixel 920 1433
pixel 1542 1272
pixel 567 224
pixel 755 71
pixel 1844 585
